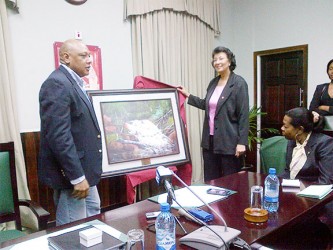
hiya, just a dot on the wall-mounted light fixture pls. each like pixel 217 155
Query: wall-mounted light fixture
pixel 76 2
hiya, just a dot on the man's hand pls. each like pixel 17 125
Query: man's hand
pixel 240 149
pixel 81 190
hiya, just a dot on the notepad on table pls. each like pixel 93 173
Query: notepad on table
pixel 316 191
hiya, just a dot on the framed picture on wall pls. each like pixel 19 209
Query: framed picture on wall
pixel 93 81
pixel 141 129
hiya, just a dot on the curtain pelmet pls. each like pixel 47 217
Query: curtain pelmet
pixel 205 10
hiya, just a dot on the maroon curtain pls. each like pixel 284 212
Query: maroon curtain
pixel 140 82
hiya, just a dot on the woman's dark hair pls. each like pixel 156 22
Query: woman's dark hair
pixel 303 117
pixel 328 65
pixel 230 56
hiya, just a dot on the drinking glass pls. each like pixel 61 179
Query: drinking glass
pixel 135 239
pixel 256 197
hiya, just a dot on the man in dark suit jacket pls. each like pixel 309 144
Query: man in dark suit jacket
pixel 70 159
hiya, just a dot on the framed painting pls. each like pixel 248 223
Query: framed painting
pixel 93 81
pixel 141 129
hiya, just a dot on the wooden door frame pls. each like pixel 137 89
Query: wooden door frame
pixel 257 85
pixel 256 60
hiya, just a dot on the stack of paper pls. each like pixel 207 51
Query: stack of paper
pixel 316 191
pixel 187 199
pixel 289 185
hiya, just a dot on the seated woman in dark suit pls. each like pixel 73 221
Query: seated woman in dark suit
pixel 309 153
pixel 309 157
pixel 322 100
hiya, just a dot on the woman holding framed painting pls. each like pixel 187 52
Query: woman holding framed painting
pixel 226 122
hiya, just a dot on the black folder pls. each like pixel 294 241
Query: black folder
pixel 71 241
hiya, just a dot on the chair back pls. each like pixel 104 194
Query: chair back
pixel 273 152
pixel 9 204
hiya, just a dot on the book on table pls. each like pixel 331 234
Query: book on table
pixel 71 240
pixel 316 191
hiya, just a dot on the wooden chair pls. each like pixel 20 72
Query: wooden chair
pixel 9 202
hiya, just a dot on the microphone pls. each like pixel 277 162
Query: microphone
pixel 164 176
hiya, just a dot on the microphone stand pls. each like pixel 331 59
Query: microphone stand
pixel 194 239
pixel 189 188
pixel 169 200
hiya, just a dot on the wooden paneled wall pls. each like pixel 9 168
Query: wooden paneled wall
pixel 112 190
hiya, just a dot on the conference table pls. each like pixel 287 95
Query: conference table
pixel 292 210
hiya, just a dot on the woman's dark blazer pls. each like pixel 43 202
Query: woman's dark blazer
pixel 231 118
pixel 319 164
pixel 70 138
pixel 316 100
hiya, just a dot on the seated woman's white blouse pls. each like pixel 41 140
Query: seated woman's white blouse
pixel 299 158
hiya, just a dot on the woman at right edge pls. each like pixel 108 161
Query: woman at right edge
pixel 226 122
pixel 322 100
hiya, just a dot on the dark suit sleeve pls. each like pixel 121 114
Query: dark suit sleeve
pixel 316 101
pixel 290 147
pixel 325 158
pixel 196 102
pixel 58 108
pixel 243 112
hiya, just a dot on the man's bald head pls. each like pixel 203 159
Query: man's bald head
pixel 69 46
pixel 75 55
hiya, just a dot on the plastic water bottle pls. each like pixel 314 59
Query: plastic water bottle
pixel 165 226
pixel 271 196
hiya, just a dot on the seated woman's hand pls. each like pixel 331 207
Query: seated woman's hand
pixel 315 116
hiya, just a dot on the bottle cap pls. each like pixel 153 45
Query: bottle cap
pixel 272 171
pixel 165 207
